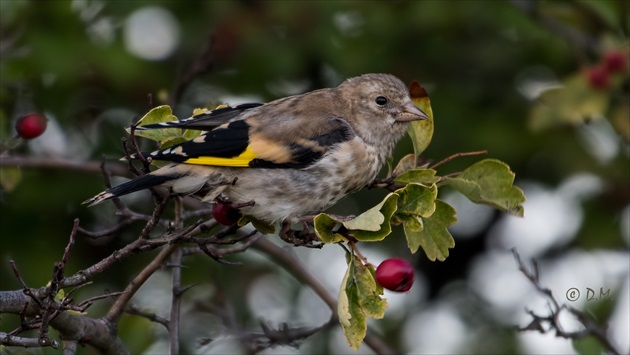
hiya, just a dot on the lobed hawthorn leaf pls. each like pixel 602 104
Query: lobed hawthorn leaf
pixel 370 226
pixel 417 200
pixel 359 298
pixel 420 132
pixel 434 238
pixel 418 176
pixel 324 226
pixel 490 182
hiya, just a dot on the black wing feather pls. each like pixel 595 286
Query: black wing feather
pixel 204 121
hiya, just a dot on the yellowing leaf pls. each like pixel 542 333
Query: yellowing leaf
pixel 370 226
pixel 365 230
pixel 359 298
pixel 434 238
pixel 370 220
pixel 421 132
pixel 324 225
pixel 199 111
pixel 351 318
pixel 490 182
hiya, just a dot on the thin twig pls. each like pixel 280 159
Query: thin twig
pixel 176 260
pixel 150 316
pixel 292 264
pixel 591 327
pixel 457 155
pixel 119 306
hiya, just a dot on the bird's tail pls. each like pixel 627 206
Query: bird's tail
pixel 182 179
pixel 137 184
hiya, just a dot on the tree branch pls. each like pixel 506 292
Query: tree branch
pixel 591 328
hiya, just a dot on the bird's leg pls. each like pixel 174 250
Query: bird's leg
pixel 244 204
pixel 299 238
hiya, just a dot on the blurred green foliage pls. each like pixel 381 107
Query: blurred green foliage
pixel 68 59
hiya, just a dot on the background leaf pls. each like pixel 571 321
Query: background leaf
pixel 158 114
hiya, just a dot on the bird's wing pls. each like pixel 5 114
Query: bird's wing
pixel 204 121
pixel 258 141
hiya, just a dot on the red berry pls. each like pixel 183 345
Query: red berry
pixel 31 125
pixel 598 78
pixel 615 61
pixel 225 214
pixel 395 274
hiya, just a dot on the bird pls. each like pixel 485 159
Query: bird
pixel 288 158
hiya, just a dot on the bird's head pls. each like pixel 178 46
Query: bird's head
pixel 381 107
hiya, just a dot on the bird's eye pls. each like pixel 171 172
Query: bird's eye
pixel 381 100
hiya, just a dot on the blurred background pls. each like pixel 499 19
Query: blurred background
pixel 521 79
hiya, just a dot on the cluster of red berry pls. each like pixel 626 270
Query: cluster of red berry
pixel 613 62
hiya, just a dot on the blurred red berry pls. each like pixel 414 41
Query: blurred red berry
pixel 31 125
pixel 615 61
pixel 225 214
pixel 598 78
pixel 395 274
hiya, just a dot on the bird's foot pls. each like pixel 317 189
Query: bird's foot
pixel 300 238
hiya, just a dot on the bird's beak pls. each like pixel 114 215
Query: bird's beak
pixel 411 112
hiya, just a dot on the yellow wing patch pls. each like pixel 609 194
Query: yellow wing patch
pixel 242 160
pixel 270 150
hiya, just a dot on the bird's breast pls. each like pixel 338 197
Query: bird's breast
pixel 279 194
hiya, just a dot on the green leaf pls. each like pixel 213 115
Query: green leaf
pixel 421 132
pixel 359 298
pixel 324 225
pixel 417 200
pixel 412 223
pixel 158 115
pixel 490 182
pixel 434 238
pixel 261 226
pixel 418 176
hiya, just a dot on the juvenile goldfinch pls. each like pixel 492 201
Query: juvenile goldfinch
pixel 292 157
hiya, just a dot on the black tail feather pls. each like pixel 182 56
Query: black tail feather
pixel 137 184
